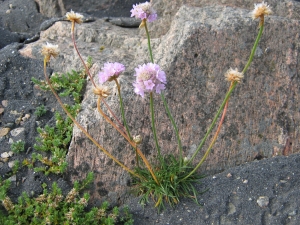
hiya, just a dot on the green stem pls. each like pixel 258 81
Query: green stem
pixel 122 108
pixel 213 122
pixel 229 92
pixel 153 126
pixel 212 142
pixel 253 49
pixel 149 44
pixel 164 100
pixel 174 126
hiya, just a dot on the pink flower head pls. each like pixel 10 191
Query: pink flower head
pixel 149 77
pixel 110 71
pixel 144 11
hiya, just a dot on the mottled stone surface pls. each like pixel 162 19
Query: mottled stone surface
pixel 200 46
pixel 100 8
pixel 167 9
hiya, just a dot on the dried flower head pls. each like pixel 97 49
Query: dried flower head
pixel 144 11
pixel 49 50
pixel 261 10
pixel 74 17
pixel 137 139
pixel 102 91
pixel 233 75
pixel 110 71
pixel 71 195
pixel 7 203
pixel 83 202
pixel 149 77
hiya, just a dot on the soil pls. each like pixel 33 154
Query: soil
pixel 261 192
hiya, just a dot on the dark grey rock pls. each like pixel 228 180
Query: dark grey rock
pixel 124 21
pixel 48 23
pixel 7 37
pixel 227 193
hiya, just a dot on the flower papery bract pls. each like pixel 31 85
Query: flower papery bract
pixel 49 50
pixel 149 78
pixel 144 11
pixel 233 75
pixel 261 9
pixel 110 71
pixel 74 17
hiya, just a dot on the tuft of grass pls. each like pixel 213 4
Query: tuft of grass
pixel 171 185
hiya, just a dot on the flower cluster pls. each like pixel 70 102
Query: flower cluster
pixel 74 17
pixel 49 50
pixel 149 77
pixel 110 71
pixel 260 10
pixel 234 75
pixel 144 11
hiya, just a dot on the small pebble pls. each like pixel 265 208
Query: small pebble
pixel 245 181
pixel 8 11
pixel 293 213
pixel 4 131
pixel 13 178
pixel 263 201
pixel 17 131
pixel 10 153
pixel 4 103
pixel 5 155
pixel 229 175
pixel 11 164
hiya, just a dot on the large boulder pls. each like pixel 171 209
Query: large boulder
pixel 200 46
pixel 20 16
pixel 167 9
pixel 100 8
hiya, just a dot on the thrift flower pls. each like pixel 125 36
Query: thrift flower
pixel 74 17
pixel 49 50
pixel 260 10
pixel 144 11
pixel 233 75
pixel 149 77
pixel 110 71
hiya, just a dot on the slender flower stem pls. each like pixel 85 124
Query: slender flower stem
pixel 88 71
pixel 84 64
pixel 211 144
pixel 174 126
pixel 254 48
pixel 81 128
pixel 122 108
pixel 164 100
pixel 149 44
pixel 229 93
pixel 114 116
pixel 133 144
pixel 213 122
pixel 136 156
pixel 153 126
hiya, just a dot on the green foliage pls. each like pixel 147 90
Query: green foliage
pixel 18 146
pixel 55 140
pixel 40 111
pixel 171 185
pixel 54 208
